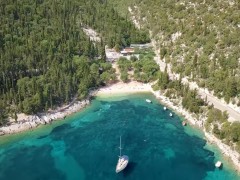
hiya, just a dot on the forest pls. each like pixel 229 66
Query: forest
pixel 143 69
pixel 200 39
pixel 45 57
pixel 218 124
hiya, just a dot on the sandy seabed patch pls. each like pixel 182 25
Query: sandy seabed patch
pixel 29 122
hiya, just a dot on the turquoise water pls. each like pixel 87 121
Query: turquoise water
pixel 85 146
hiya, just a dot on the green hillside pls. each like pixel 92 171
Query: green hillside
pixel 45 57
pixel 199 38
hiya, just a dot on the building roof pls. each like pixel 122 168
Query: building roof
pixel 127 50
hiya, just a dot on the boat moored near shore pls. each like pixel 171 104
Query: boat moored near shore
pixel 218 164
pixel 184 123
pixel 148 100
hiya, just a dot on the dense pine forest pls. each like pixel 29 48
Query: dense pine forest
pixel 45 57
pixel 200 39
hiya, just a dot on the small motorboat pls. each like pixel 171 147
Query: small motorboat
pixel 218 164
pixel 184 123
pixel 148 100
pixel 170 114
pixel 165 108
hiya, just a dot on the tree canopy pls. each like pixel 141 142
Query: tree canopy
pixel 46 58
pixel 199 39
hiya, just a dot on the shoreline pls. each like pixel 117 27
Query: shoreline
pixel 26 122
pixel 226 150
pixel 30 122
pixel 211 139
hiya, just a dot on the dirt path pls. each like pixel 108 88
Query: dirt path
pixel 115 66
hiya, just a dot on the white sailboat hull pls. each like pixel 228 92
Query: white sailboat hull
pixel 122 163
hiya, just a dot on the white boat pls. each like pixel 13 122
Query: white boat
pixel 170 114
pixel 148 100
pixel 184 123
pixel 122 161
pixel 165 108
pixel 218 164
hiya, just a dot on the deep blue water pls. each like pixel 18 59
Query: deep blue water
pixel 85 146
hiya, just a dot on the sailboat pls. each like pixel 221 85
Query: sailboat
pixel 122 161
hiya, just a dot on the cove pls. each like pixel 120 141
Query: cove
pixel 85 146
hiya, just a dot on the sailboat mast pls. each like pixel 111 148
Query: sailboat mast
pixel 120 146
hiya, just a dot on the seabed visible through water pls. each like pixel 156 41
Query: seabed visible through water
pixel 85 146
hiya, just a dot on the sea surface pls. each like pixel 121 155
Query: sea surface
pixel 85 146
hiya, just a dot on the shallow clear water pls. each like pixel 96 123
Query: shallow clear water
pixel 85 146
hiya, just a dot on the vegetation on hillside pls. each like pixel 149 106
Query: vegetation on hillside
pixel 45 57
pixel 143 70
pixel 117 31
pixel 174 89
pixel 218 124
pixel 199 38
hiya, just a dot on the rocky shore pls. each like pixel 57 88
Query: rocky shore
pixel 199 122
pixel 27 122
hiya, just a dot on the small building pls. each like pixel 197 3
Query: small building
pixel 127 51
pixel 112 55
pixel 141 46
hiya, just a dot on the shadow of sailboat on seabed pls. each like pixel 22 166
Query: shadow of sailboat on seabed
pixel 129 169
